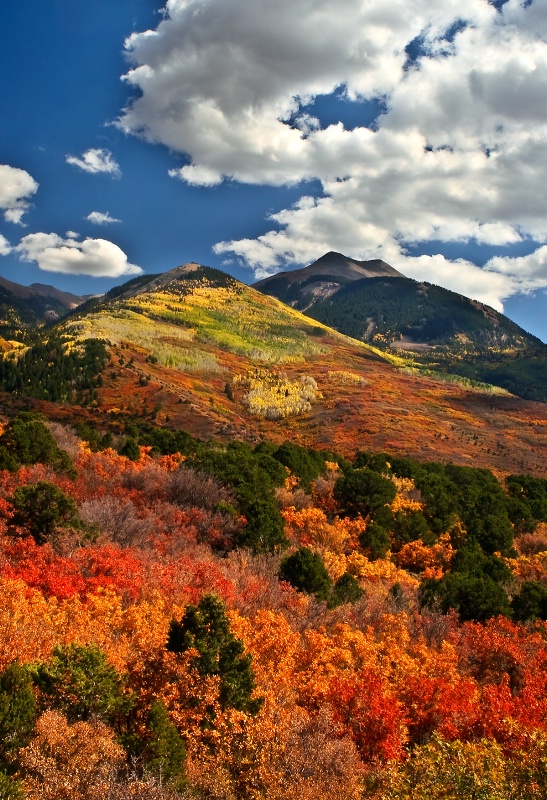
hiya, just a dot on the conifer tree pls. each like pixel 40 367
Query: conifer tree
pixel 17 712
pixel 165 753
pixel 206 628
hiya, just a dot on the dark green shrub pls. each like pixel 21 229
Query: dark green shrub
pixel 130 449
pixel 530 602
pixel 345 590
pixel 264 531
pixel 475 597
pixel 10 789
pixel 81 683
pixel 375 541
pixel 527 504
pixel 206 628
pixel 165 752
pixel 363 491
pixel 41 507
pixel 17 711
pixel 305 570
pixel 305 464
pixel 408 527
pixel 26 440
pixel 251 478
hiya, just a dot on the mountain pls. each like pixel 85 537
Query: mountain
pixel 438 329
pixel 24 308
pixel 303 288
pixel 196 350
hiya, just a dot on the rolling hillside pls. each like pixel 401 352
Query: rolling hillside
pixel 197 350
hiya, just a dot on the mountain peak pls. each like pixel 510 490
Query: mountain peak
pixel 333 265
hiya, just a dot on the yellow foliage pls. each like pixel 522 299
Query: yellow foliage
pixel 529 568
pixel 380 571
pixel 344 378
pixel 274 396
pixel 310 527
pixel 433 561
pixel 405 499
pixel 335 564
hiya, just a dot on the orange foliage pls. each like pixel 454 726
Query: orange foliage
pixel 347 691
pixel 70 762
pixel 433 561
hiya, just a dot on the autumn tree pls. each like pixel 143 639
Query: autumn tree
pixel 81 761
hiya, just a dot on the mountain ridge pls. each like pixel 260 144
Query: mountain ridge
pixel 438 329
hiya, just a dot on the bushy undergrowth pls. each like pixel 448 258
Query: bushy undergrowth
pixel 218 624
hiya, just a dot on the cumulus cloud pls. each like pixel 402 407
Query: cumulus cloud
pixel 5 247
pixel 98 258
pixel 16 186
pixel 98 218
pixel 459 154
pixel 96 160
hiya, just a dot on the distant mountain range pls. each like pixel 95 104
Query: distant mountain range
pixel 438 329
pixel 24 308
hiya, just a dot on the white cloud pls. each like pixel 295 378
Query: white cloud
pixel 460 276
pixel 96 257
pixel 16 186
pixel 98 218
pixel 96 160
pixel 460 153
pixel 5 247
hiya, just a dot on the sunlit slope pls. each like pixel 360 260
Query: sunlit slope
pixel 192 307
pixel 195 349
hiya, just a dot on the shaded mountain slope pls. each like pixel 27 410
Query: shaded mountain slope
pixel 302 288
pixel 440 330
pixel 24 308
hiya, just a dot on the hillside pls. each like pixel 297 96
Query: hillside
pixel 194 349
pixel 243 555
pixel 439 329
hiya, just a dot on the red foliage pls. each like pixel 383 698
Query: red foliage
pixel 435 705
pixel 110 567
pixel 41 568
pixel 87 570
pixel 369 713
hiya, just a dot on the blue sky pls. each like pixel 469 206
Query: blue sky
pixel 257 136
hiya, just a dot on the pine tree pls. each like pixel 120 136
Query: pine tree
pixel 165 752
pixel 206 628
